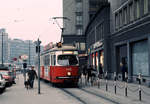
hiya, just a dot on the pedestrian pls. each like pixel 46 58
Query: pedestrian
pixel 31 76
pixel 89 72
pixel 123 69
pixel 100 71
pixel 84 70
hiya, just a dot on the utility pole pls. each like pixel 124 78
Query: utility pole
pixel 29 52
pixel 38 42
pixel 2 50
pixel 62 28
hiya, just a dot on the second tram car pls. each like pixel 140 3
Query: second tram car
pixel 60 64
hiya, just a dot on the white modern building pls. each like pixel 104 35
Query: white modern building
pixel 19 47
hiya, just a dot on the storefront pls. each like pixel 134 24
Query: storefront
pixel 135 53
pixel 96 55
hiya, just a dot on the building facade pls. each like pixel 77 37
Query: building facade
pixel 130 37
pixel 97 39
pixel 4 45
pixel 127 39
pixel 19 47
pixel 77 13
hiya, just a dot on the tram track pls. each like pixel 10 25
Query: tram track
pixel 88 95
pixel 85 96
pixel 99 95
pixel 74 96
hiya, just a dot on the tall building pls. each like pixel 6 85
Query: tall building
pixel 4 45
pixel 76 11
pixel 79 12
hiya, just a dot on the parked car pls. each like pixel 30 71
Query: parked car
pixel 7 76
pixel 2 83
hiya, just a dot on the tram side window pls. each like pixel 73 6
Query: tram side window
pixel 46 60
pixel 53 59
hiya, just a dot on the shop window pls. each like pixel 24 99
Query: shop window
pixel 140 58
pixel 93 60
pixel 102 58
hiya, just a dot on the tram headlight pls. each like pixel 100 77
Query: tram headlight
pixel 69 73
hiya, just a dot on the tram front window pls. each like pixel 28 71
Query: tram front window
pixel 67 60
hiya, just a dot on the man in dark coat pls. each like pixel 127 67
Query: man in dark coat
pixel 123 68
pixel 32 74
pixel 100 71
pixel 89 72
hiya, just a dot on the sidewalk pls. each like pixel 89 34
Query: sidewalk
pixel 18 94
pixel 132 91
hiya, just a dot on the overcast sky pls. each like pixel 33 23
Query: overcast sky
pixel 30 19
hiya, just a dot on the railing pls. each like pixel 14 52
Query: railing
pixel 137 88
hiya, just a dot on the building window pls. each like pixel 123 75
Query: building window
pixel 79 20
pixel 137 4
pixel 99 32
pixel 116 20
pixel 82 46
pixel 140 58
pixel 79 7
pixel 145 6
pixel 131 12
pixel 79 31
pixel 120 18
pixel 125 15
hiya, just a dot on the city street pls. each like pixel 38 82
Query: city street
pixel 79 52
pixel 17 94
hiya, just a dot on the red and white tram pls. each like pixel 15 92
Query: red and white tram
pixel 60 64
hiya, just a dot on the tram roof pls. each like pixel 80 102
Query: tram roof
pixel 64 47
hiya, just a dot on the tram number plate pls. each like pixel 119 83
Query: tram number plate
pixel 69 69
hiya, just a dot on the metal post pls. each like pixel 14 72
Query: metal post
pixel 115 82
pixel 38 45
pixel 62 30
pixel 140 95
pixel 24 70
pixel 98 83
pixel 126 78
pixel 106 81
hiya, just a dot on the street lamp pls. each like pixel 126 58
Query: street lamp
pixel 62 28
